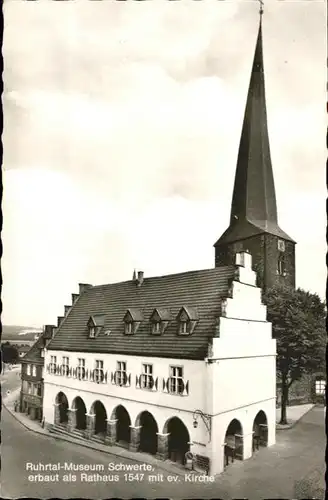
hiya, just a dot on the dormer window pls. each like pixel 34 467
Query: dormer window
pixel 187 320
pixel 95 325
pixel 184 327
pixel 128 328
pixel 132 320
pixel 159 320
pixel 156 327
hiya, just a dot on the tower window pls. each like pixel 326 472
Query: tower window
pixel 281 265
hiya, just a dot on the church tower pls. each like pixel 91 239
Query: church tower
pixel 253 220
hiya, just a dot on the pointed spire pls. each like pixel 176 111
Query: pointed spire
pixel 254 196
pixel 254 208
pixel 134 277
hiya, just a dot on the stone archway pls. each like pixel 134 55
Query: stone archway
pixel 178 440
pixel 100 413
pixel 123 430
pixel 80 414
pixel 233 442
pixel 260 430
pixel 148 432
pixel 61 416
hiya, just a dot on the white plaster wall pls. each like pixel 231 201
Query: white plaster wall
pixel 243 338
pixel 245 303
pixel 246 416
pixel 243 381
pixel 160 404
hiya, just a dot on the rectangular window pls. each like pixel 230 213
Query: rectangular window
pixel 156 327
pixel 128 328
pixel 99 371
pixel 184 327
pixel 34 370
pixel 99 364
pixel 320 386
pixel 92 331
pixel 65 365
pixel 29 388
pixel 176 384
pixel 28 369
pixel 39 390
pixel 81 368
pixel 147 379
pixel 121 375
pixel 53 363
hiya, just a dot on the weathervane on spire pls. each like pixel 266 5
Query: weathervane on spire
pixel 261 7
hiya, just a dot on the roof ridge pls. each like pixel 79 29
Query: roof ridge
pixel 214 269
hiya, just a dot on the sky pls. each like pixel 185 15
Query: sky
pixel 122 123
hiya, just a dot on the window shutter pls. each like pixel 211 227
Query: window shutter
pixel 85 373
pixel 129 379
pixel 112 377
pixel 105 377
pixel 186 387
pixel 156 383
pixel 70 372
pixel 165 385
pixel 138 381
pixel 74 372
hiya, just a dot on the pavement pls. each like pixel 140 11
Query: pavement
pixel 293 468
pixel 294 414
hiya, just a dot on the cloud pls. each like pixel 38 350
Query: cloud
pixel 122 126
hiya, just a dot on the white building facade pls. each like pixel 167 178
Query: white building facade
pixel 220 407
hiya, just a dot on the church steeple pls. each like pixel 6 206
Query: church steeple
pixel 253 208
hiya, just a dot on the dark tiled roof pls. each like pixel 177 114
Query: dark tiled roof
pixel 243 228
pixel 34 353
pixel 195 290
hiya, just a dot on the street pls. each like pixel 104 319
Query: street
pixel 271 473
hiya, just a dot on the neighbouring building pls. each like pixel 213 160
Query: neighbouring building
pixel 32 368
pixel 167 365
pixel 22 349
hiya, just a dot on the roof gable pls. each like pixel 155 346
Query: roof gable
pixel 133 314
pixel 160 314
pixel 96 320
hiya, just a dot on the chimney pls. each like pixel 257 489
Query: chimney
pixel 244 259
pixel 67 310
pixel 75 296
pixel 49 331
pixel 140 278
pixel 83 287
pixel 60 320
